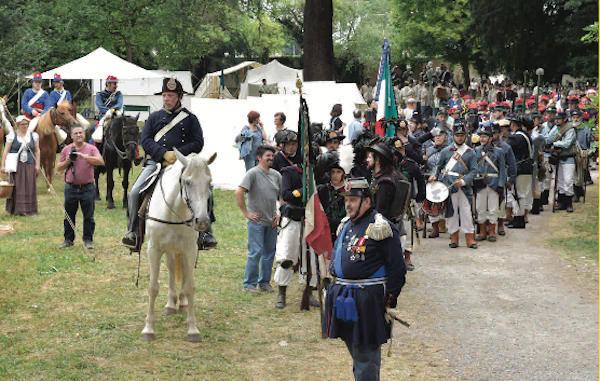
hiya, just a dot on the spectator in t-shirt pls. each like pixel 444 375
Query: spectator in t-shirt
pixel 263 187
pixel 473 88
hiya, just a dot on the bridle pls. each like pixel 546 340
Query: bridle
pixel 55 115
pixel 123 154
pixel 186 199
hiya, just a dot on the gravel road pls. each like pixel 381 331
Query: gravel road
pixel 510 310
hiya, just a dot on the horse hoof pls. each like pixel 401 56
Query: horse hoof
pixel 110 206
pixel 169 311
pixel 183 309
pixel 147 337
pixel 97 198
pixel 195 338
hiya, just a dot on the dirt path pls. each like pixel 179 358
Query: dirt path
pixel 510 310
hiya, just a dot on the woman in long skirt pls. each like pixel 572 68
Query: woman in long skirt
pixel 24 197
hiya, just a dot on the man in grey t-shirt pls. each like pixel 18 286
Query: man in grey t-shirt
pixel 263 186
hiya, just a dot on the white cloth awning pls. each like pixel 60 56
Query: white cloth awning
pixel 99 64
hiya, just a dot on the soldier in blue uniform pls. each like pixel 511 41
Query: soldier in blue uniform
pixel 561 139
pixel 511 172
pixel 109 98
pixel 287 139
pixel 35 101
pixel 171 127
pixel 369 274
pixel 456 167
pixel 59 93
pixel 491 168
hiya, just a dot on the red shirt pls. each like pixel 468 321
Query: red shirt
pixel 84 171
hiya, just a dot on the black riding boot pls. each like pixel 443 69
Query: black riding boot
pixel 546 197
pixel 281 297
pixel 206 240
pixel 537 203
pixel 518 222
pixel 569 202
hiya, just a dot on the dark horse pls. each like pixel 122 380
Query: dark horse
pixel 119 150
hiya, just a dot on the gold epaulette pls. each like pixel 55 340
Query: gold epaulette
pixel 341 225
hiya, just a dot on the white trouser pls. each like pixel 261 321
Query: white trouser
pixel 462 208
pixel 437 218
pixel 525 194
pixel 288 248
pixel 406 240
pixel 566 178
pixel 487 205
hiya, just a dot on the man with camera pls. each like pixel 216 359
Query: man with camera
pixel 79 159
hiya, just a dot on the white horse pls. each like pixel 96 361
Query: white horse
pixel 178 210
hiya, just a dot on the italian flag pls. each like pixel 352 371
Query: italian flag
pixel 316 225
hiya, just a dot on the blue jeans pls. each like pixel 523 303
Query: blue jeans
pixel 250 163
pixel 261 254
pixel 83 195
pixel 366 361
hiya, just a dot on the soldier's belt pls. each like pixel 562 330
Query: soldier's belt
pixel 489 175
pixel 361 282
pixel 451 173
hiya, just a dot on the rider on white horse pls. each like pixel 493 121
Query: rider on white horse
pixel 172 127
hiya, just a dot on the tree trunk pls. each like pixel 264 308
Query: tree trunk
pixel 129 51
pixel 464 62
pixel 318 60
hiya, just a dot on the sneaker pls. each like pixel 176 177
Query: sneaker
pixel 88 245
pixel 251 290
pixel 266 288
pixel 66 244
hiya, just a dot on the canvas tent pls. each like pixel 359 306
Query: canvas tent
pixel 210 85
pixel 223 119
pixel 274 72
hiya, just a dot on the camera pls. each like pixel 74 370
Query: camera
pixel 73 154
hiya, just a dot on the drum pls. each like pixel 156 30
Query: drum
pixel 436 194
pixel 433 209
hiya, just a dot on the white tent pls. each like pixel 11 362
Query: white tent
pixel 223 119
pixel 99 64
pixel 274 72
pixel 210 86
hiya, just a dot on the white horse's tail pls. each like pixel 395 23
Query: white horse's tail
pixel 178 268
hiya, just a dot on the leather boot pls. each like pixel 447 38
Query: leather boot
pixel 518 223
pixel 537 203
pixel 281 297
pixel 482 232
pixel 206 240
pixel 435 230
pixel 454 240
pixel 491 232
pixel 501 226
pixel 562 202
pixel 442 226
pixel 470 237
pixel 546 197
pixel 569 202
pixel 420 223
pixel 407 261
pixel 509 215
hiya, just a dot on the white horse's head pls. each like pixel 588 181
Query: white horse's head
pixel 195 184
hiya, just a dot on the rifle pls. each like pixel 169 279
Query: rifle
pixel 555 185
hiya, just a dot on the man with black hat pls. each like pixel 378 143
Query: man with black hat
pixel 369 277
pixel 333 140
pixel 491 173
pixel 330 192
pixel 520 196
pixel 287 139
pixel 561 140
pixel 171 127
pixel 380 160
pixel 415 125
pixel 456 167
pixel 545 129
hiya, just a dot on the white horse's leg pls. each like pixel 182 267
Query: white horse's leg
pixel 188 288
pixel 170 307
pixel 154 260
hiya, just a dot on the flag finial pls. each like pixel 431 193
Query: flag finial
pixel 299 84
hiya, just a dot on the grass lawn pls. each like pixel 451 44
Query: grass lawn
pixel 576 234
pixel 67 314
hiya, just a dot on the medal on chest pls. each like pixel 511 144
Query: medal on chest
pixel 357 246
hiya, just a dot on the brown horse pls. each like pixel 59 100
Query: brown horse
pixel 64 115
